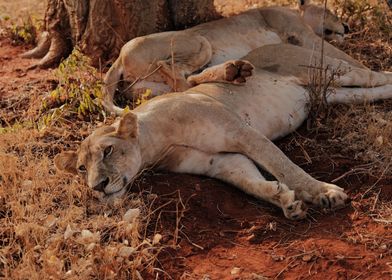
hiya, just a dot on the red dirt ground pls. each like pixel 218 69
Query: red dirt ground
pixel 225 234
pixel 13 71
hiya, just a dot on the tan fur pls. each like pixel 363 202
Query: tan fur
pixel 169 59
pixel 223 131
pixel 293 61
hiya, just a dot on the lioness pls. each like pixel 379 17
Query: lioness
pixel 223 131
pixel 165 61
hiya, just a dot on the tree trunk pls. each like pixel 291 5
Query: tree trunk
pixel 101 27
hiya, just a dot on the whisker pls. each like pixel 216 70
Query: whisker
pixel 116 179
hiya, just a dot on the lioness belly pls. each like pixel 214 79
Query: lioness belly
pixel 273 105
pixel 235 37
pixel 224 49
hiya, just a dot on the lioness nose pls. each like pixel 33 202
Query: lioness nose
pixel 101 186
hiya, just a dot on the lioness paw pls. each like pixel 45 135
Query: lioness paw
pixel 295 211
pixel 237 71
pixel 332 197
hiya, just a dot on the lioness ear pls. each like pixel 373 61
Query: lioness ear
pixel 128 127
pixel 66 161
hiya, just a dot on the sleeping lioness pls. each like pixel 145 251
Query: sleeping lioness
pixel 224 131
pixel 165 61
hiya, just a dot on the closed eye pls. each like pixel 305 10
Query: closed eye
pixel 108 151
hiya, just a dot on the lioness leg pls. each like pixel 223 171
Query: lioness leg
pixel 111 81
pixel 266 154
pixel 364 78
pixel 233 71
pixel 239 171
pixel 226 132
pixel 189 53
pixel 359 95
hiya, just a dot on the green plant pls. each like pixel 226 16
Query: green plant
pixel 16 127
pixel 79 86
pixel 144 97
pixel 26 32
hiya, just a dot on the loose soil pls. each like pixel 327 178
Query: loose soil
pixel 225 234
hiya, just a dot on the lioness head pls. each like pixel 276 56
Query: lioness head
pixel 108 159
pixel 332 28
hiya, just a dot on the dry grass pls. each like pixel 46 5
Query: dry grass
pixel 53 226
pixel 369 41
pixel 19 9
pixel 365 130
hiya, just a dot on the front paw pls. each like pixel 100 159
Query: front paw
pixel 332 197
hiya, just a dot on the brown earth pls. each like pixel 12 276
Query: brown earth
pixel 13 69
pixel 225 234
pixel 15 78
pixel 224 229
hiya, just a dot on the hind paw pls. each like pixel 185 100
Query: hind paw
pixel 332 197
pixel 236 71
pixel 329 197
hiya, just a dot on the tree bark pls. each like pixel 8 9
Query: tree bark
pixel 101 27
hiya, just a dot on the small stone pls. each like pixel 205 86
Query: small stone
pixel 277 258
pixel 126 251
pixel 88 237
pixel 307 258
pixel 379 141
pixel 68 232
pixel 157 238
pixel 90 247
pixel 131 215
pixel 235 271
pixel 87 234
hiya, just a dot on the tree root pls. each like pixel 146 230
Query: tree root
pixel 42 47
pixel 51 48
pixel 58 50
